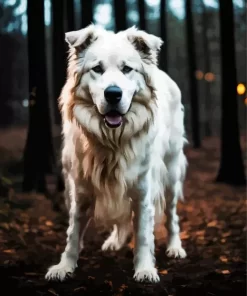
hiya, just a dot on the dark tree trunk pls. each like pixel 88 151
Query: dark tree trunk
pixel 70 8
pixel 120 15
pixel 142 14
pixel 231 164
pixel 58 54
pixel 192 77
pixel 60 13
pixel 163 35
pixel 86 12
pixel 207 84
pixel 38 153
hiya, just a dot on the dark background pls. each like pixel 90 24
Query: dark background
pixel 204 51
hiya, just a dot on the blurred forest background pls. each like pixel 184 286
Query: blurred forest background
pixel 14 93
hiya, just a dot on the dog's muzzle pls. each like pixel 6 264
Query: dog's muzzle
pixel 113 95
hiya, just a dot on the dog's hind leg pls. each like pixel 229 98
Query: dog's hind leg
pixel 117 238
pixel 176 170
pixel 77 220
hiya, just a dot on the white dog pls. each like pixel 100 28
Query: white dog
pixel 123 145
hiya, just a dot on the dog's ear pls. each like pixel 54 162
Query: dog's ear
pixel 148 45
pixel 81 39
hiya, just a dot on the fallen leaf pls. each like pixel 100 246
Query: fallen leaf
pixel 200 232
pixel 49 223
pixel 163 271
pixel 223 259
pixel 226 271
pixel 212 223
pixel 9 251
pixel 184 235
pixel 226 234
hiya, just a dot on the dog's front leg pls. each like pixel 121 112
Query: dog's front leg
pixel 77 222
pixel 144 260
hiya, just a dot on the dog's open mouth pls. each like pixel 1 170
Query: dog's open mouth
pixel 113 119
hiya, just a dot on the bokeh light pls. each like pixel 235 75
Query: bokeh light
pixel 241 89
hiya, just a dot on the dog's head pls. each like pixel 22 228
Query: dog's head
pixel 112 72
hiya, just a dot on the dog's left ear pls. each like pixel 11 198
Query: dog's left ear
pixel 81 39
pixel 148 45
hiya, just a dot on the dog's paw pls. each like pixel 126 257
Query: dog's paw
pixel 110 244
pixel 147 275
pixel 176 252
pixel 59 272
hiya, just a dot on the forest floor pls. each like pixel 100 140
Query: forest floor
pixel 213 232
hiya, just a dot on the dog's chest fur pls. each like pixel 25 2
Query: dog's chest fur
pixel 102 165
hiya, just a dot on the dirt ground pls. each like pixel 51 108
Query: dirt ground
pixel 213 232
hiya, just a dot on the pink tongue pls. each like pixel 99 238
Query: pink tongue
pixel 113 119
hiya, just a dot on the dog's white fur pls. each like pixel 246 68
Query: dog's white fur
pixel 111 172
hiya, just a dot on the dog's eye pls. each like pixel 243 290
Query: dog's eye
pixel 126 69
pixel 98 69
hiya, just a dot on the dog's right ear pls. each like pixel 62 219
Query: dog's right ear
pixel 81 39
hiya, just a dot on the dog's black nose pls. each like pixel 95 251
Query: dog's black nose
pixel 113 94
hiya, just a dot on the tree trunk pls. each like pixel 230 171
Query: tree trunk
pixel 207 84
pixel 58 54
pixel 86 12
pixel 195 122
pixel 38 153
pixel 163 35
pixel 120 15
pixel 142 14
pixel 231 163
pixel 69 5
pixel 61 11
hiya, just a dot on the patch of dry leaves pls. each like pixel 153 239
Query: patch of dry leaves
pixel 213 231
